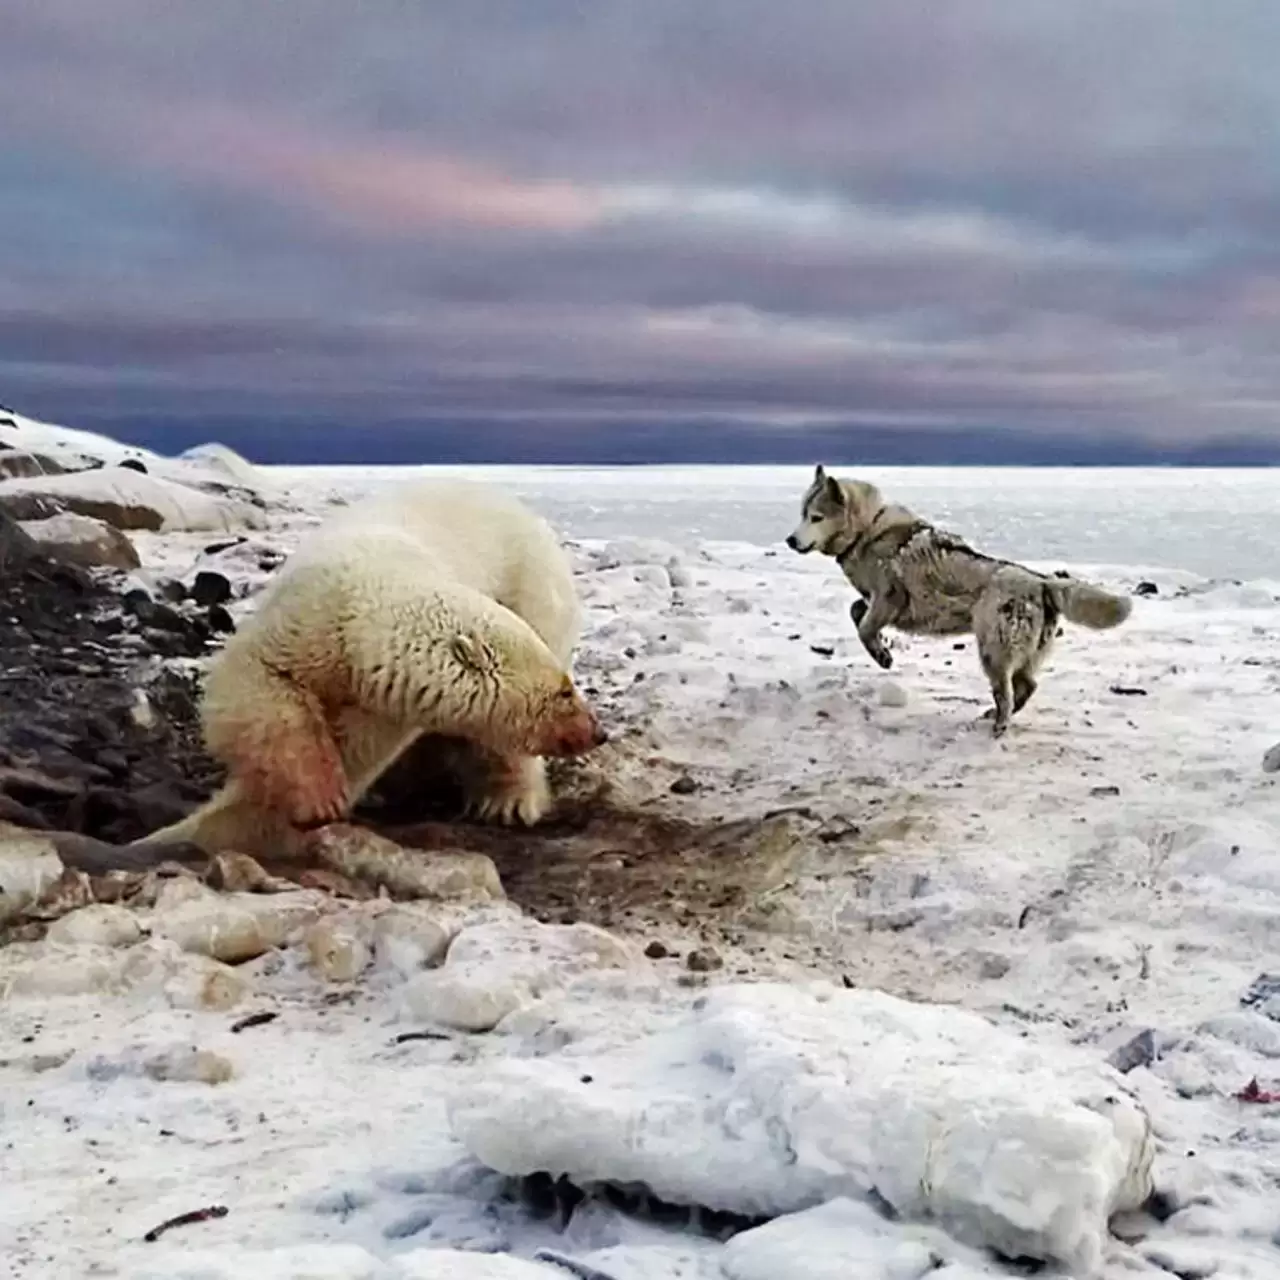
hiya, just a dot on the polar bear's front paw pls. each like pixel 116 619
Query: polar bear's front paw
pixel 516 792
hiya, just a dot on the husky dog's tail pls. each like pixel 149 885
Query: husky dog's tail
pixel 1089 606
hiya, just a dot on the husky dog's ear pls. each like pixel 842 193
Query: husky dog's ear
pixel 475 653
pixel 832 491
pixel 819 475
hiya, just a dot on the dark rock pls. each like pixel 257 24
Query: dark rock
pixel 1145 588
pixel 683 786
pixel 30 786
pixel 16 464
pixel 76 758
pixel 220 620
pixel 656 951
pixel 571 1266
pixel 214 548
pixel 823 650
pixel 172 589
pixel 1140 1051
pixel 21 815
pixel 1262 994
pixel 1129 690
pixel 703 961
pixel 210 588
pixel 1101 792
pixel 134 464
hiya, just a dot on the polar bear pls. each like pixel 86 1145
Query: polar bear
pixel 441 607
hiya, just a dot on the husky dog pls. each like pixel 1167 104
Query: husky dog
pixel 924 581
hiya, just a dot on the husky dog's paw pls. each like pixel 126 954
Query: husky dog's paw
pixel 882 655
pixel 516 793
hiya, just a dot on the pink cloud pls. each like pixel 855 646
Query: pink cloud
pixel 392 188
pixel 387 186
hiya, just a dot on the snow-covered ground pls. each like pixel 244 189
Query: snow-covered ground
pixel 1110 868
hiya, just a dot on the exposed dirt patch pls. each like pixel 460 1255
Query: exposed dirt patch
pixel 603 865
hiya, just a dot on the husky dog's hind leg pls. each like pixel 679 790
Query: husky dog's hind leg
pixel 1015 622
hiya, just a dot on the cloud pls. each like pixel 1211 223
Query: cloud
pixel 1033 216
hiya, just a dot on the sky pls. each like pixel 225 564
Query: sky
pixel 619 229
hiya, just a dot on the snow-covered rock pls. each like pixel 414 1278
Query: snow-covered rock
pixel 226 464
pixel 68 447
pixel 493 969
pixel 29 865
pixel 837 1240
pixel 339 947
pixel 407 938
pixel 406 873
pixel 83 540
pixel 127 499
pixel 228 927
pixel 100 924
pixel 18 463
pixel 770 1099
pixel 155 967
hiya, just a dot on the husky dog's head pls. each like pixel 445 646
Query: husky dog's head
pixel 832 513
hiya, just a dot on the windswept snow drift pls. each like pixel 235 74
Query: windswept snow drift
pixel 769 1100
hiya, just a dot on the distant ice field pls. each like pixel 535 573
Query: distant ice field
pixel 1219 523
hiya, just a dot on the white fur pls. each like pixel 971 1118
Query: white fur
pixel 441 607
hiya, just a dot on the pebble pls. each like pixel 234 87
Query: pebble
pixel 892 694
pixel 703 960
pixel 100 924
pixel 1140 1051
pixel 210 588
pixel 190 1066
pixel 338 947
pixel 1271 760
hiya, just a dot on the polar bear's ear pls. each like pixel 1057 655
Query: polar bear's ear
pixel 474 653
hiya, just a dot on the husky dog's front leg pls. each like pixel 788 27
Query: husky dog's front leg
pixel 871 618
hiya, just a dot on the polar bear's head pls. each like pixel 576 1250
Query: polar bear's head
pixel 526 702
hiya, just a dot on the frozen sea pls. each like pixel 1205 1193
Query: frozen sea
pixel 1221 523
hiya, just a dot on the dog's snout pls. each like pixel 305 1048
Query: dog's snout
pixel 792 543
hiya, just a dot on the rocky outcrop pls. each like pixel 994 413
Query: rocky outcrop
pixel 127 499
pixel 82 540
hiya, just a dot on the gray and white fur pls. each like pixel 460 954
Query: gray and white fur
pixel 924 581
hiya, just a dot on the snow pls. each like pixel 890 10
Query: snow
pixel 771 1099
pixel 67 445
pixel 1108 868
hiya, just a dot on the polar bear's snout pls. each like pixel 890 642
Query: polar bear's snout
pixel 572 728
